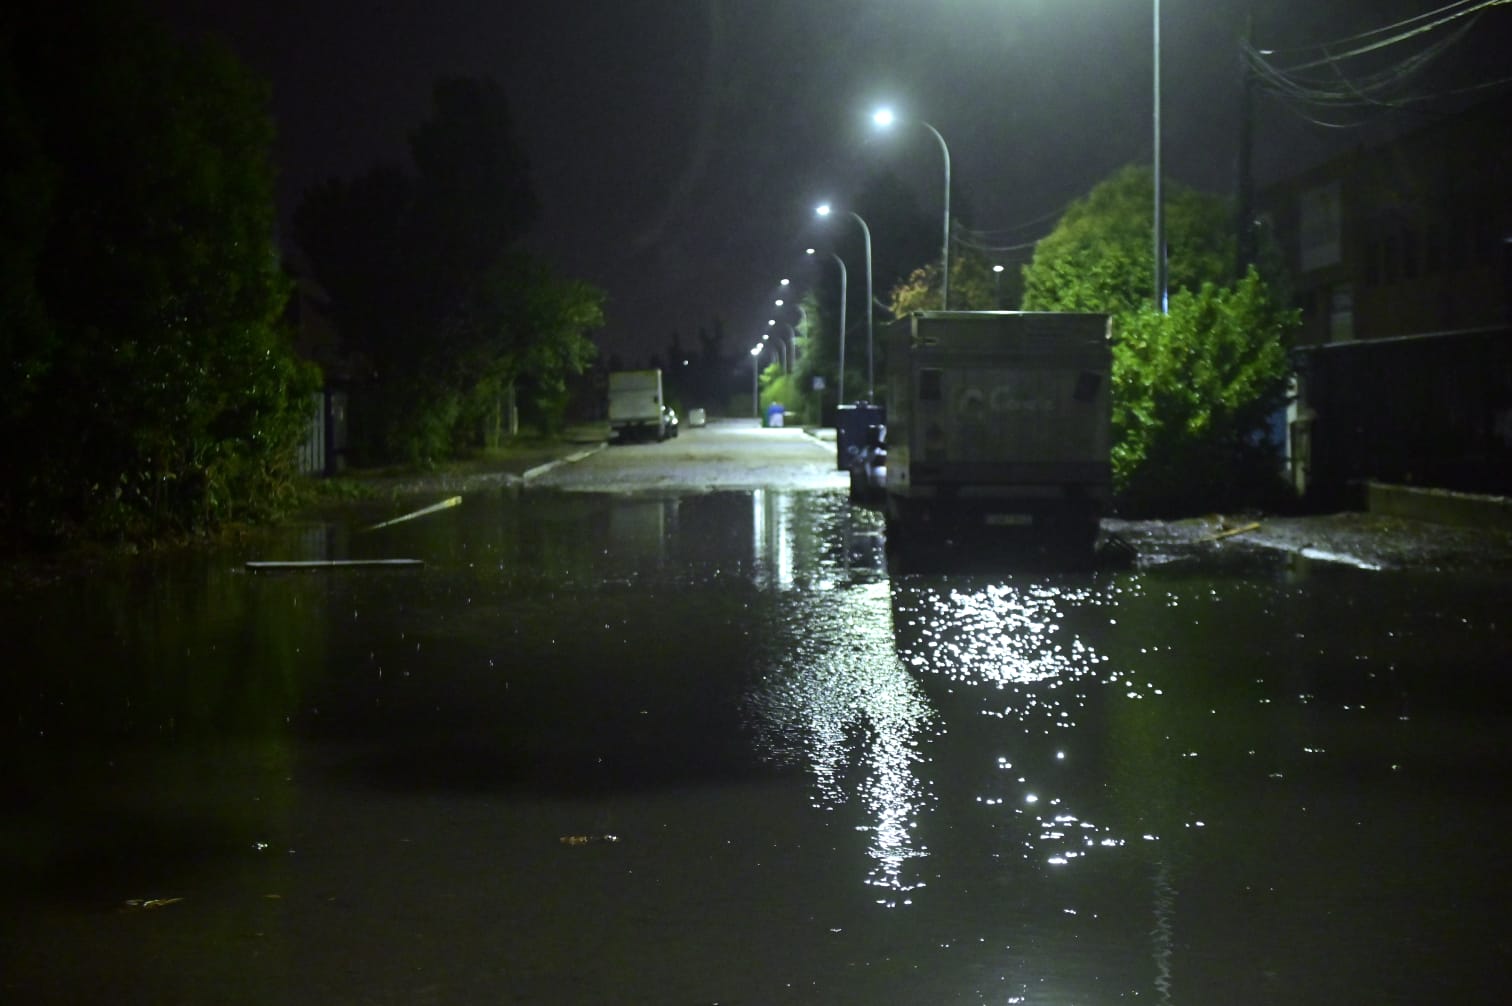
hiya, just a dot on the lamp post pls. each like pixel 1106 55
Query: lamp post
pixel 884 118
pixel 792 341
pixel 1160 258
pixel 783 284
pixel 781 348
pixel 824 210
pixel 755 393
pixel 840 391
pixel 997 276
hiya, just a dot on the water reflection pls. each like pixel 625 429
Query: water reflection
pixel 847 709
pixel 784 736
pixel 1019 652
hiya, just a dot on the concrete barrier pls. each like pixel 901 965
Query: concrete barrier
pixel 1439 506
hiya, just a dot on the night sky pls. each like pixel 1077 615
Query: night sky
pixel 679 146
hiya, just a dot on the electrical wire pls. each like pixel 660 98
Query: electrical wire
pixel 1406 29
pixel 1320 98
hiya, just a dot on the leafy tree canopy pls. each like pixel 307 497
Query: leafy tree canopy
pixel 1099 257
pixel 429 288
pixel 973 286
pixel 1194 390
pixel 1194 393
pixel 157 389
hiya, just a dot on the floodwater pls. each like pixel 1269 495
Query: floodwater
pixel 709 749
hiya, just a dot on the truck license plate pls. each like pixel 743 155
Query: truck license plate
pixel 1009 519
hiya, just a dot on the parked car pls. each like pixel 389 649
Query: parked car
pixel 669 421
pixel 868 468
pixel 697 417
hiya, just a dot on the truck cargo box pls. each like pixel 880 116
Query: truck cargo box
pixel 999 420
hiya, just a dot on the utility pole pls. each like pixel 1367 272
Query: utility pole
pixel 1160 252
pixel 1244 224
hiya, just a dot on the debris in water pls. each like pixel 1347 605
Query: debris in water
pixel 433 508
pixel 1230 532
pixel 587 839
pixel 138 904
pixel 274 566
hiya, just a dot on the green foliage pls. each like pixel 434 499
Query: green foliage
pixel 788 389
pixel 1099 257
pixel 973 286
pixel 157 392
pixel 1193 390
pixel 429 290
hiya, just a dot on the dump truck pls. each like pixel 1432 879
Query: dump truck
pixel 998 425
pixel 635 405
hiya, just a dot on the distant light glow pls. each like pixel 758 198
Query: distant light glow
pixel 778 301
pixel 997 268
pixel 808 251
pixel 756 349
pixel 783 282
pixel 823 209
pixel 883 117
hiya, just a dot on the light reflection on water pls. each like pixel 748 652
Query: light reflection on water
pixel 847 709
pixel 1017 646
pixel 1081 788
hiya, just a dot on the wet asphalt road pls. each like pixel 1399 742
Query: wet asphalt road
pixel 653 729
pixel 726 454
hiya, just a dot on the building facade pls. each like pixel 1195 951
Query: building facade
pixel 1401 262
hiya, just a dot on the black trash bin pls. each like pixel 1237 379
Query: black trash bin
pixel 851 422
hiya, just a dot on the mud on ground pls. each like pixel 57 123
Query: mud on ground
pixel 1370 541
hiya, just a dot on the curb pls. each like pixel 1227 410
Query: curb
pixel 1440 506
pixel 572 458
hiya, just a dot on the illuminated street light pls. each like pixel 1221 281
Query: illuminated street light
pixel 824 210
pixel 781 346
pixel 998 277
pixel 792 344
pixel 840 391
pixel 755 392
pixel 884 118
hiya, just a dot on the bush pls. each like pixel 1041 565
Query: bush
pixel 1194 392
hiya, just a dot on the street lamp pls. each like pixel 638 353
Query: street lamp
pixel 997 271
pixel 884 118
pixel 792 340
pixel 824 210
pixel 1160 258
pixel 755 393
pixel 840 391
pixel 782 348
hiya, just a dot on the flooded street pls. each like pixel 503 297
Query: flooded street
pixel 704 747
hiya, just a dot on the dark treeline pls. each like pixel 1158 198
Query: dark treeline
pixel 148 385
pixel 443 315
pixel 150 382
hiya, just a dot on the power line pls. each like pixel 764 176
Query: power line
pixel 1319 98
pixel 1407 28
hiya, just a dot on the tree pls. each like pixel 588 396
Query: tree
pixel 1194 393
pixel 1194 390
pixel 540 338
pixel 973 286
pixel 1098 258
pixel 427 283
pixel 153 328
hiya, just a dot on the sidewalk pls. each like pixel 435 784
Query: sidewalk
pixel 511 463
